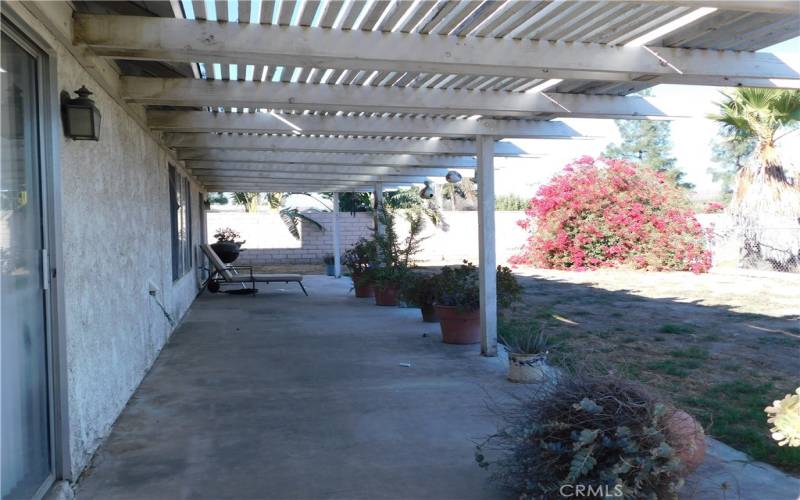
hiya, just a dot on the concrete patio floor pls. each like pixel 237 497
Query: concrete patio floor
pixel 282 396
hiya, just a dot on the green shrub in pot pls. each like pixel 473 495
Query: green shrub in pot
pixel 457 300
pixel 359 259
pixel 419 290
pixel 394 255
pixel 387 283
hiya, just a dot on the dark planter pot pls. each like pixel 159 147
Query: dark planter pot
pixel 459 327
pixel 363 289
pixel 227 251
pixel 329 270
pixel 386 295
pixel 429 313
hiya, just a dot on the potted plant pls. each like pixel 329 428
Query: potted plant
pixel 458 301
pixel 358 260
pixel 226 247
pixel 527 351
pixel 393 255
pixel 387 282
pixel 329 265
pixel 420 290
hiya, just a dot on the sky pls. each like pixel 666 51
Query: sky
pixel 691 139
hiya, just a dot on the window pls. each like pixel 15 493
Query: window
pixel 180 219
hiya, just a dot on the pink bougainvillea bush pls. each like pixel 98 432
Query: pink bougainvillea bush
pixel 612 213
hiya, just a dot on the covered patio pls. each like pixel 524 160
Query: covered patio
pixel 278 395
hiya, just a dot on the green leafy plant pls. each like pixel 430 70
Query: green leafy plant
pixel 361 256
pixel 393 254
pixel 420 289
pixel 511 202
pixel 384 277
pixel 460 287
pixel 600 432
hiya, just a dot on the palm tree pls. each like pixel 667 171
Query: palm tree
pixel 466 189
pixel 250 201
pixel 765 203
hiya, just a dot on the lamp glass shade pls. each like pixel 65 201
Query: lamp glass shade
pixel 80 122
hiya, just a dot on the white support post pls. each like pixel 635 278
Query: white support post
pixel 378 192
pixel 486 242
pixel 337 261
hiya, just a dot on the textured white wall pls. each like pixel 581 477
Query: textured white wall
pixel 116 238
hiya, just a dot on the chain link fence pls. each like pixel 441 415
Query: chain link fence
pixel 759 248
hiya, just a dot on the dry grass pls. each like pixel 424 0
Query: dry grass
pixel 724 346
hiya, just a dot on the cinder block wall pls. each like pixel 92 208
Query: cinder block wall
pixel 268 242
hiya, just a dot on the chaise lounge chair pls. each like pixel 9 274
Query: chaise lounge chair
pixel 226 274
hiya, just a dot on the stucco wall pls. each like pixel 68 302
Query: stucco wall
pixel 116 238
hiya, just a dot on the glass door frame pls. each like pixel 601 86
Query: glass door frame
pixel 49 135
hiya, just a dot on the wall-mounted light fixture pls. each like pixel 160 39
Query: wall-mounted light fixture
pixel 80 116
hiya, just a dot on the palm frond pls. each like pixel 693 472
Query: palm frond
pixel 292 218
pixel 757 112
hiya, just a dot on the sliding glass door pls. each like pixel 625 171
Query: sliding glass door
pixel 25 369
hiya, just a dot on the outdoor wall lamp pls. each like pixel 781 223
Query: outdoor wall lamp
pixel 427 192
pixel 80 116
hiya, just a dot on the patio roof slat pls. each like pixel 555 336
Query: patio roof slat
pixel 191 92
pixel 375 12
pixel 234 168
pixel 181 40
pixel 395 12
pixel 287 9
pixel 267 7
pixel 328 158
pixel 201 121
pixel 309 11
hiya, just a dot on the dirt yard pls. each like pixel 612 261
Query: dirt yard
pixel 723 346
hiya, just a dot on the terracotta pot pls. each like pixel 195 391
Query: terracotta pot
pixel 429 313
pixel 459 327
pixel 527 368
pixel 386 295
pixel 363 289
pixel 687 438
